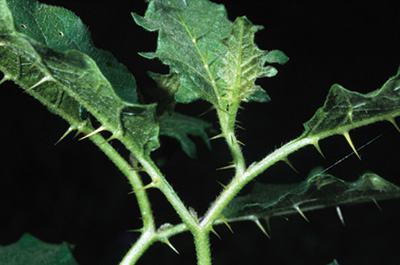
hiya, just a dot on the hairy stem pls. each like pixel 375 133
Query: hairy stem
pixel 239 181
pixel 227 121
pixel 140 246
pixel 203 252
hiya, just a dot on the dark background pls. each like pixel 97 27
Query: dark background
pixel 71 192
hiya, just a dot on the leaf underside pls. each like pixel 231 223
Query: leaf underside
pixel 316 192
pixel 180 127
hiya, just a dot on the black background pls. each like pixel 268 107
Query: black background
pixel 71 192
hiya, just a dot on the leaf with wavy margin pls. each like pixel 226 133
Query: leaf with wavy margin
pixel 48 52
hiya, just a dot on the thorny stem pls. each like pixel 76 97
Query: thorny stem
pixel 239 181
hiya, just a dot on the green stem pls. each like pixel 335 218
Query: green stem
pixel 163 185
pixel 131 175
pixel 202 243
pixel 140 246
pixel 239 181
pixel 227 121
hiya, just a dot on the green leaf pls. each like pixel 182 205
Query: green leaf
pixel 164 93
pixel 32 251
pixel 68 76
pixel 345 110
pixel 316 192
pixel 180 127
pixel 215 59
pixel 61 30
pixel 189 41
pixel 244 63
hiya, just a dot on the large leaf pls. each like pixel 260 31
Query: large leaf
pixel 189 42
pixel 215 59
pixel 47 51
pixel 32 251
pixel 316 192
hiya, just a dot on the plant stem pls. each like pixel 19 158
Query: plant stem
pixel 227 121
pixel 140 246
pixel 202 243
pixel 239 181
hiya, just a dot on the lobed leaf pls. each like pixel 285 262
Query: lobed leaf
pixel 30 250
pixel 316 192
pixel 48 52
pixel 244 63
pixel 345 110
pixel 180 127
pixel 189 41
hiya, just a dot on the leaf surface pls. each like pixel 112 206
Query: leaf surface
pixel 180 127
pixel 316 192
pixel 345 110
pixel 48 52
pixel 30 250
pixel 189 42
pixel 215 59
pixel 244 63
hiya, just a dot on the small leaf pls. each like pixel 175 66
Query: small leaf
pixel 180 127
pixel 244 63
pixel 318 191
pixel 167 86
pixel 32 251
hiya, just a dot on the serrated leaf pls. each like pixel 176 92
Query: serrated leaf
pixel 244 63
pixel 180 127
pixel 316 192
pixel 64 78
pixel 189 41
pixel 32 251
pixel 345 110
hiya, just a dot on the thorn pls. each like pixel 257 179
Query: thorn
pixel 258 223
pixel 43 80
pixel 226 167
pixel 377 204
pixel 153 184
pixel 391 120
pixel 207 111
pixel 4 79
pixel 339 212
pixel 316 145
pixel 171 246
pixel 240 127
pixel 223 186
pixel 113 137
pixel 286 160
pixel 100 129
pixel 148 186
pixel 241 143
pixel 70 129
pixel 226 223
pixel 216 137
pixel 301 213
pixel 215 233
pixel 139 230
pixel 347 136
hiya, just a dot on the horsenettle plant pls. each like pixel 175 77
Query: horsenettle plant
pixel 48 52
